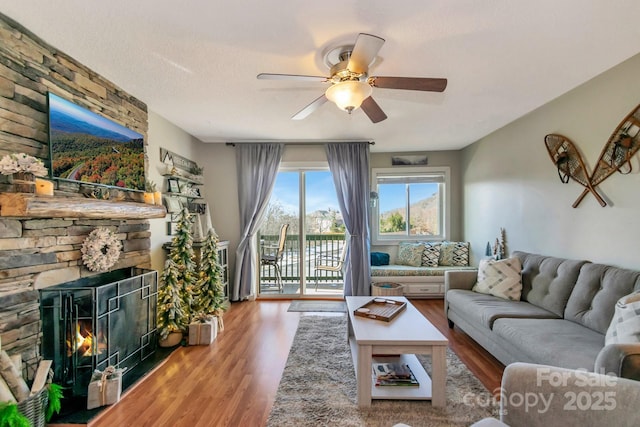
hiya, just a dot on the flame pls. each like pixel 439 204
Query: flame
pixel 85 344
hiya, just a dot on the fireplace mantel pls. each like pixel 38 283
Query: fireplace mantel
pixel 26 205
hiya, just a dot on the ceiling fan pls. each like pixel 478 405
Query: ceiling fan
pixel 351 86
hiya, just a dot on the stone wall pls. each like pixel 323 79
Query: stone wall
pixel 37 253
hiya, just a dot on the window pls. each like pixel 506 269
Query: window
pixel 411 204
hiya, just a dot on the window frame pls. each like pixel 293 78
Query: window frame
pixel 445 203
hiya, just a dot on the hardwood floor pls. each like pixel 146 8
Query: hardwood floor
pixel 233 382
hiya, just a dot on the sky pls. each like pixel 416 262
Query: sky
pixel 87 116
pixel 393 196
pixel 321 193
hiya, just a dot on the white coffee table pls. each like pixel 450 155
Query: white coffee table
pixel 405 336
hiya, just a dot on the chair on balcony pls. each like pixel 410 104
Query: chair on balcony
pixel 330 263
pixel 272 255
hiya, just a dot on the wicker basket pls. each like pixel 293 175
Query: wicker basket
pixel 34 407
pixel 387 289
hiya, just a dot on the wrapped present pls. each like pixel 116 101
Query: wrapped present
pixel 203 330
pixel 105 387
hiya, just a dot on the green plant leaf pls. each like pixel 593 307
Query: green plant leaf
pixel 11 417
pixel 55 400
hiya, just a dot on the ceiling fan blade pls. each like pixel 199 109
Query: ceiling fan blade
pixel 410 83
pixel 271 76
pixel 310 108
pixel 364 52
pixel 373 110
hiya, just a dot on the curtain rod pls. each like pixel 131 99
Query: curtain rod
pixel 233 144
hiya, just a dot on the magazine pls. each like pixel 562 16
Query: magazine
pixel 393 374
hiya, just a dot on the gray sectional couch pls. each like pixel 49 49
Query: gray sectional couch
pixel 561 320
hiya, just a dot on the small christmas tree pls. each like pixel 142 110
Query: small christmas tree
pixel 176 295
pixel 210 293
pixel 172 315
pixel 183 256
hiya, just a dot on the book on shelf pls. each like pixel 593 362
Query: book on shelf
pixel 393 374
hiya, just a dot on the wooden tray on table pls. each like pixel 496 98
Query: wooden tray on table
pixel 381 309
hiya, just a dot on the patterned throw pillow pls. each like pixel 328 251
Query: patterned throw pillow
pixel 454 254
pixel 410 254
pixel 431 254
pixel 625 325
pixel 500 278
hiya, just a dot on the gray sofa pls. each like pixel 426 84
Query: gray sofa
pixel 561 320
pixel 543 396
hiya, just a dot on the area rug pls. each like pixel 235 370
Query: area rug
pixel 318 387
pixel 318 306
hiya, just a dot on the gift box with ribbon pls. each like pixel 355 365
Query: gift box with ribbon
pixel 105 387
pixel 203 330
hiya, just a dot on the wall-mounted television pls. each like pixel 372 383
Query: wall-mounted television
pixel 87 147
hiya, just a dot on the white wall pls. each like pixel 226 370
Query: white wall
pixel 163 133
pixel 509 180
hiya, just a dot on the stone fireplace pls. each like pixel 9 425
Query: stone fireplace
pixel 104 320
pixel 38 253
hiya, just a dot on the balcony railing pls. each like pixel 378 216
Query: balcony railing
pixel 315 245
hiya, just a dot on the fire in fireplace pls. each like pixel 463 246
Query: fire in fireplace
pixel 98 321
pixel 84 342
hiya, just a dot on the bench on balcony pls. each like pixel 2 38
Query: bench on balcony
pixel 407 267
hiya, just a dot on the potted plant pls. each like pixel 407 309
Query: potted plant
pixel 172 316
pixel 209 298
pixel 175 297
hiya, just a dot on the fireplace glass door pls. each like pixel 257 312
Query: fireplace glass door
pixel 95 322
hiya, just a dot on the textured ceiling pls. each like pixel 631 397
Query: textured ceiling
pixel 195 62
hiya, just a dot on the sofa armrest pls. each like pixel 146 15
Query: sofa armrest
pixel 541 396
pixel 622 360
pixel 458 279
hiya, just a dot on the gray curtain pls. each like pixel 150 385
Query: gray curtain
pixel 257 166
pixel 349 164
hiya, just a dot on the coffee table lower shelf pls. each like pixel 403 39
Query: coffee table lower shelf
pixel 421 392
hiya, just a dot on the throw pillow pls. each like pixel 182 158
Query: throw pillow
pixel 454 254
pixel 501 278
pixel 410 254
pixel 625 325
pixel 431 254
pixel 379 258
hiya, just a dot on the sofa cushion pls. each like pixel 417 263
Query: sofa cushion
pixel 500 278
pixel 548 281
pixel 482 309
pixel 625 325
pixel 555 342
pixel 431 254
pixel 454 254
pixel 596 292
pixel 410 254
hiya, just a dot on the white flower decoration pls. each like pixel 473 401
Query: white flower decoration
pixel 21 162
pixel 101 249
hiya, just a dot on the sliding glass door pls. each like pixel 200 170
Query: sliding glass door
pixel 310 262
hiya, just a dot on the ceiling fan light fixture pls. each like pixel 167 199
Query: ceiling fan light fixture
pixel 348 95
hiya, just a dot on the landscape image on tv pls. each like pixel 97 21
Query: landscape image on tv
pixel 90 148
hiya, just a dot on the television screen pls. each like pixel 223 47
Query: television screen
pixel 90 148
